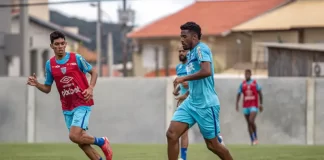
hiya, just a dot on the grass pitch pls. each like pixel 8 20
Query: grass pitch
pixel 158 152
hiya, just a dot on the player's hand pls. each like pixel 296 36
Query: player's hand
pixel 260 108
pixel 185 84
pixel 32 80
pixel 88 94
pixel 175 93
pixel 180 98
pixel 178 80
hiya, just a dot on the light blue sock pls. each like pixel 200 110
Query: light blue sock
pixel 99 141
pixel 184 153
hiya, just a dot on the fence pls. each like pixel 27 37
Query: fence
pixel 138 110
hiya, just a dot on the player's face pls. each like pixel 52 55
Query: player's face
pixel 247 75
pixel 59 46
pixel 182 54
pixel 186 39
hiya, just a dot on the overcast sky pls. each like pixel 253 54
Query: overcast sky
pixel 146 10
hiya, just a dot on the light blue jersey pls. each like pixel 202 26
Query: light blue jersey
pixel 202 105
pixel 202 93
pixel 82 64
pixel 181 71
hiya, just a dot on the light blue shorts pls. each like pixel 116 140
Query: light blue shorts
pixel 78 117
pixel 247 111
pixel 206 118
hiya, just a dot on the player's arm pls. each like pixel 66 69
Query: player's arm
pixel 205 69
pixel 86 67
pixel 47 86
pixel 260 94
pixel 238 97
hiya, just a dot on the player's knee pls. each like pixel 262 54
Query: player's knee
pixel 74 138
pixel 171 135
pixel 251 122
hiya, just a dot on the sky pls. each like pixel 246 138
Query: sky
pixel 147 11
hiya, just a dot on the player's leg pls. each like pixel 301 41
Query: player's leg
pixel 184 145
pixel 181 122
pixel 85 147
pixel 90 152
pixel 246 112
pixel 77 135
pixel 252 116
pixel 207 121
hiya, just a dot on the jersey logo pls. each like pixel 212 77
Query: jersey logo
pixel 190 67
pixel 199 52
pixel 66 79
pixel 63 70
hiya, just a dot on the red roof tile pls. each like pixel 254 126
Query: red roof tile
pixel 214 17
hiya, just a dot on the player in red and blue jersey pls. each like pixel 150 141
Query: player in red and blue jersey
pixel 68 70
pixel 251 94
pixel 202 105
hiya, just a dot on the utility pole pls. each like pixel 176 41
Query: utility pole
pixel 110 55
pixel 98 41
pixel 157 62
pixel 124 39
pixel 126 16
pixel 25 54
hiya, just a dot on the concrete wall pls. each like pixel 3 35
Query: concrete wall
pixel 139 110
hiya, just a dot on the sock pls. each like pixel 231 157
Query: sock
pixel 219 139
pixel 99 141
pixel 255 135
pixel 184 153
pixel 252 137
pixel 100 158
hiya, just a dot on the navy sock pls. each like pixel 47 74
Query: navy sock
pixel 100 158
pixel 255 135
pixel 99 141
pixel 184 153
pixel 252 137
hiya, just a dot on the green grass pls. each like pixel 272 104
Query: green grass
pixel 158 152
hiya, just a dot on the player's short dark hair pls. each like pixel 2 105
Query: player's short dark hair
pixel 56 35
pixel 248 70
pixel 192 27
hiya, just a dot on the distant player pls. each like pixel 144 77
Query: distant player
pixel 251 92
pixel 68 70
pixel 183 89
pixel 202 104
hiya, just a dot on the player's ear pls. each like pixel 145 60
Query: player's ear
pixel 51 45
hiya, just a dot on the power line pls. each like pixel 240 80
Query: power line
pixel 51 3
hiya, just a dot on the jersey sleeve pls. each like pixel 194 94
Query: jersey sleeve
pixel 239 91
pixel 177 70
pixel 203 55
pixel 258 87
pixel 48 74
pixel 83 64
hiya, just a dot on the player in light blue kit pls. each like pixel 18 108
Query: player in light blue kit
pixel 183 90
pixel 202 104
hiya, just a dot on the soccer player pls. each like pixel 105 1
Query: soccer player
pixel 183 89
pixel 68 70
pixel 202 104
pixel 251 106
